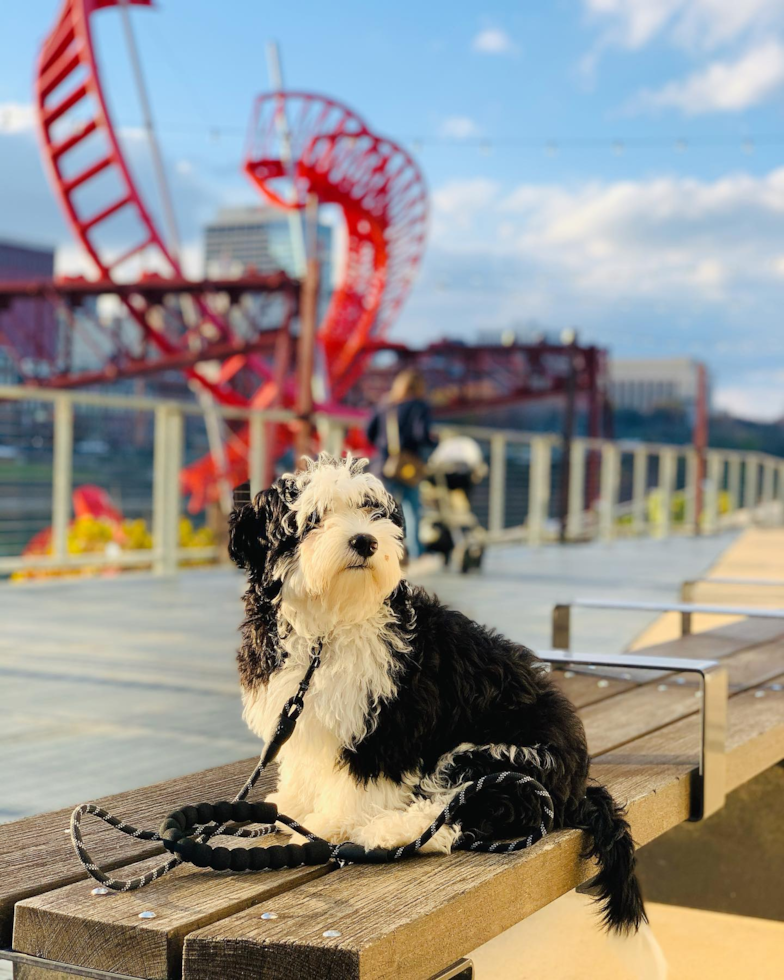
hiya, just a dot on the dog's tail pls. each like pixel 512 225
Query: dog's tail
pixel 615 887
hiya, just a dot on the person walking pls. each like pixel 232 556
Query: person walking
pixel 400 431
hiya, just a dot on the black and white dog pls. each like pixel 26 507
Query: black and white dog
pixel 411 699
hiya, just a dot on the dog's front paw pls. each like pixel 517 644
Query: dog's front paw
pixel 321 826
pixel 395 828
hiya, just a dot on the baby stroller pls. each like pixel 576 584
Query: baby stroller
pixel 448 525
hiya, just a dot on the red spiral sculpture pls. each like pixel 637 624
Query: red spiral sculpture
pixel 299 145
pixel 381 192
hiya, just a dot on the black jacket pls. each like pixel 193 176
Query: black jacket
pixel 414 424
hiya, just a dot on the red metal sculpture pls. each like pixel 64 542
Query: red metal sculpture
pixel 328 152
pixel 300 146
pixel 85 162
pixel 319 147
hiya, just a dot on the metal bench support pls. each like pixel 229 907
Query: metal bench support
pixel 688 587
pixel 709 789
pixel 38 962
pixel 463 969
pixel 562 614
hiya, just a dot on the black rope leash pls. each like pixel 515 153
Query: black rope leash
pixel 186 831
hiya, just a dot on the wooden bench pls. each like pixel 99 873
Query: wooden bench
pixel 408 920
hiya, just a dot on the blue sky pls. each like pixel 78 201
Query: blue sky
pixel 614 165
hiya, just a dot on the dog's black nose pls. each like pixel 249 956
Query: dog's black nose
pixel 364 544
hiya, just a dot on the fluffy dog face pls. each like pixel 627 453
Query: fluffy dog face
pixel 326 542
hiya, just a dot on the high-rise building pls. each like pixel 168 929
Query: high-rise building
pixel 23 263
pixel 29 324
pixel 258 239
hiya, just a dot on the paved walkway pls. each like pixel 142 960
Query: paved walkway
pixel 757 554
pixel 114 683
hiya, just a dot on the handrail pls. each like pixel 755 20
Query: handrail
pixel 561 617
pixel 709 790
pixel 688 587
pixel 608 495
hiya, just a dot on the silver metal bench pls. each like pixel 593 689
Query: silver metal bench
pixel 562 614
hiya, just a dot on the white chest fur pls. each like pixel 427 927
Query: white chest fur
pixel 357 673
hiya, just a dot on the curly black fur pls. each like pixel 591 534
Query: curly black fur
pixel 458 683
pixel 609 842
pixel 261 535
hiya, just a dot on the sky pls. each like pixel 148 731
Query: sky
pixel 614 166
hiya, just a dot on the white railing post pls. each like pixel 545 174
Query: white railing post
pixel 257 455
pixel 710 506
pixel 167 463
pixel 159 454
pixel 62 475
pixel 576 501
pixel 768 475
pixel 609 480
pixel 780 491
pixel 733 482
pixel 334 437
pixel 667 467
pixel 751 487
pixel 538 489
pixel 497 506
pixel 691 490
pixel 639 490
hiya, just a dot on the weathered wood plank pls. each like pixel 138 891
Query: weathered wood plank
pixel 412 920
pixel 189 898
pixel 104 932
pixel 36 853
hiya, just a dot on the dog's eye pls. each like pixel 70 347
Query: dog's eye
pixel 313 520
pixel 377 515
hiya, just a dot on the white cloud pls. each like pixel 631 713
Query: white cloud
pixel 458 127
pixel 704 24
pixel 654 267
pixel 756 395
pixel 493 40
pixel 456 204
pixel 133 133
pixel 628 237
pixel 16 117
pixel 724 86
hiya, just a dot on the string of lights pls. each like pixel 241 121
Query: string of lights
pixel 745 143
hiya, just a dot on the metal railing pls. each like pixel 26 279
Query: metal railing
pixel 614 489
pixel 166 504
pixel 619 488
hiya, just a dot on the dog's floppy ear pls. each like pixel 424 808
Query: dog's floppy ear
pixel 248 529
pixel 396 515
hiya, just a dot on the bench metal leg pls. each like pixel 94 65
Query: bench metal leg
pixel 39 963
pixel 709 788
pixel 561 613
pixel 462 970
pixel 561 627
